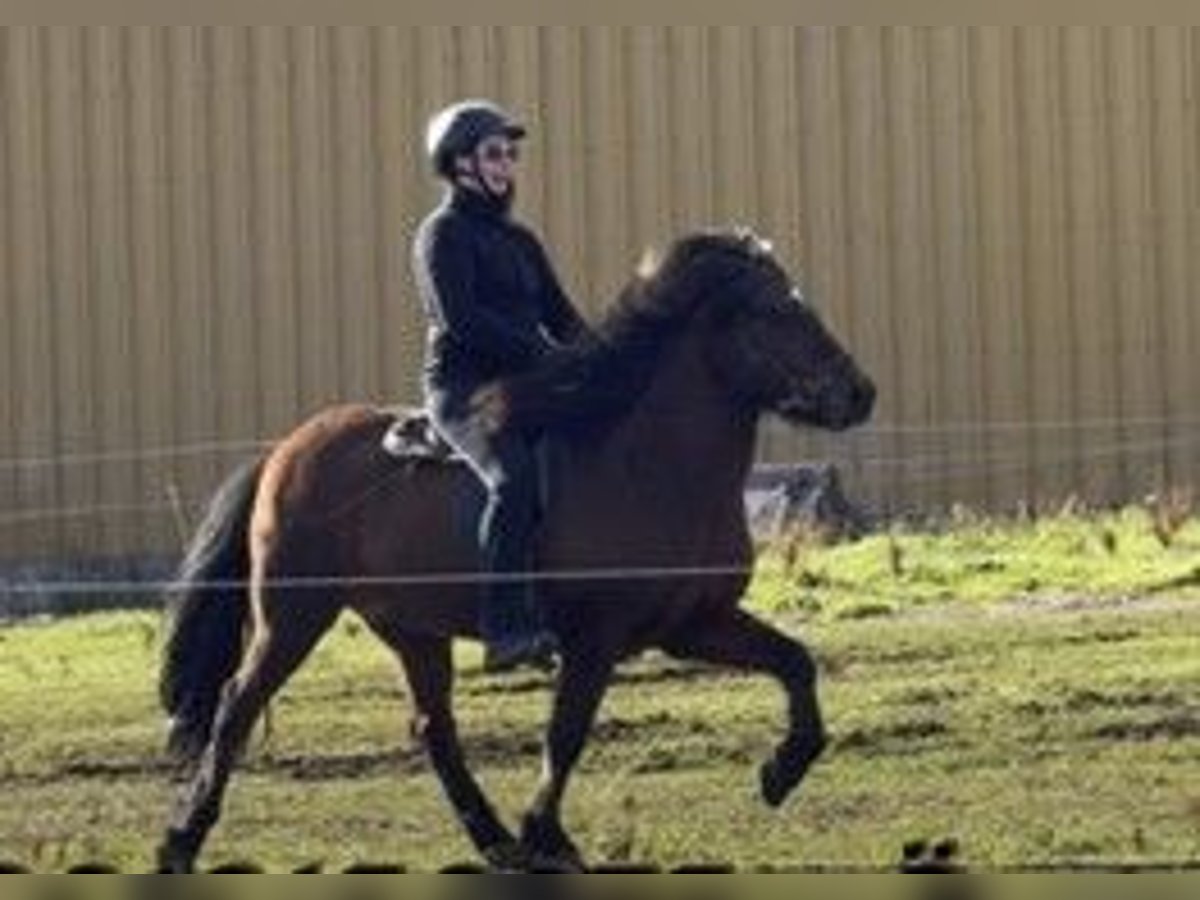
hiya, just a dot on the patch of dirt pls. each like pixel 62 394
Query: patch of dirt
pixel 650 671
pixel 343 767
pixel 1067 603
pixel 899 739
pixel 928 696
pixel 1166 728
pixel 1084 700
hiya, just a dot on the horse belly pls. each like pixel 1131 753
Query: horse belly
pixel 417 547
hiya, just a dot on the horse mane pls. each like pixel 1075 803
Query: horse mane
pixel 594 384
pixel 666 287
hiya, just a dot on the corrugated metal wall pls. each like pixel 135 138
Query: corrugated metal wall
pixel 204 229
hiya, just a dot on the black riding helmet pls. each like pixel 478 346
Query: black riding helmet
pixel 459 128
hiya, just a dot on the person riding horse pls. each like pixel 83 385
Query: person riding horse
pixel 495 309
pixel 648 511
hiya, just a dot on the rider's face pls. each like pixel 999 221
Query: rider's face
pixel 495 164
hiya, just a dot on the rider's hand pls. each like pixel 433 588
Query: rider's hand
pixel 490 406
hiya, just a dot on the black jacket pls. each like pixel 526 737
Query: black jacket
pixel 493 303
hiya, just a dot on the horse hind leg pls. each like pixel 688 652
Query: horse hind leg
pixel 741 641
pixel 429 670
pixel 281 639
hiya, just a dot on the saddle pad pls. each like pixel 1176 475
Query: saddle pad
pixel 412 437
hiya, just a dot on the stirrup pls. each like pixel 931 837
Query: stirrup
pixel 537 650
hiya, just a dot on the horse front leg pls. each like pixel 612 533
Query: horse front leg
pixel 579 691
pixel 739 640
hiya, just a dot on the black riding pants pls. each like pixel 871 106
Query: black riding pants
pixel 506 463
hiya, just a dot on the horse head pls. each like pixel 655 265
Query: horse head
pixel 766 343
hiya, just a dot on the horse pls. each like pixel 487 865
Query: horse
pixel 643 541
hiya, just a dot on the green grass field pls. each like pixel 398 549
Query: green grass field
pixel 1030 688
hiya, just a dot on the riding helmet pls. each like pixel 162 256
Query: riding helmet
pixel 459 128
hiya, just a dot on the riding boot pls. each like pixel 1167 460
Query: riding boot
pixel 507 464
pixel 512 633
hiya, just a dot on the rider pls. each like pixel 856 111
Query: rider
pixel 495 308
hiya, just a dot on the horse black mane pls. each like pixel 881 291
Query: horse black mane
pixel 669 288
pixel 592 385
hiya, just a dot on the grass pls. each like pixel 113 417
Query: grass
pixel 1030 688
pixel 1136 552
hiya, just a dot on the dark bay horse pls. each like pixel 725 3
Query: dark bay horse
pixel 643 541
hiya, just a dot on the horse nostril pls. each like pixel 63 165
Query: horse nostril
pixel 860 400
pixel 864 395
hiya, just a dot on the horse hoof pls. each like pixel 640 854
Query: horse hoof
pixel 549 847
pixel 171 862
pixel 772 785
pixel 176 855
pixel 509 856
pixel 777 780
pixel 558 865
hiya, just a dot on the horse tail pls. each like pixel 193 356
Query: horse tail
pixel 207 610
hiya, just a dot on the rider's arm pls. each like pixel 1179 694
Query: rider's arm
pixel 559 316
pixel 448 275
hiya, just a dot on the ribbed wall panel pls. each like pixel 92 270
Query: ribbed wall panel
pixel 204 237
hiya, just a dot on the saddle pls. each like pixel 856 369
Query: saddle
pixel 412 438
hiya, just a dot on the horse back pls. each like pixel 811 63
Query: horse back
pixel 401 533
pixel 333 503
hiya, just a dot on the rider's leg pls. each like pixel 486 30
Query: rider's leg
pixel 507 464
pixel 509 621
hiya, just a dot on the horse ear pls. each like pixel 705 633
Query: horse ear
pixel 754 242
pixel 650 263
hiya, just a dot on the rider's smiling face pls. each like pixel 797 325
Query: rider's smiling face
pixel 493 165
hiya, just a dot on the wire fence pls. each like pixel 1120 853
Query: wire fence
pixel 942 463
pixel 156 583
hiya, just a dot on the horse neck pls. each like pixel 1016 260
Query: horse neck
pixel 687 430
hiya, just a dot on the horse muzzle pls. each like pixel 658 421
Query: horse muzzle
pixel 836 405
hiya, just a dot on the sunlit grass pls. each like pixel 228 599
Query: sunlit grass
pixel 1028 687
pixel 1097 556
